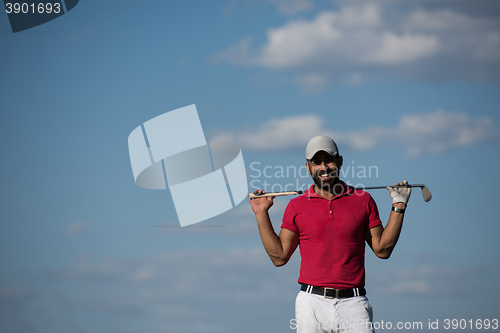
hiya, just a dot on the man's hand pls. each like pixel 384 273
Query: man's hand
pixel 401 193
pixel 260 205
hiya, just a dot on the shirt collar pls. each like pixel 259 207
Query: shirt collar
pixel 346 190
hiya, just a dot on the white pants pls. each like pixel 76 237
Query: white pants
pixel 317 314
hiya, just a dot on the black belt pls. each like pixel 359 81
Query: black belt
pixel 332 292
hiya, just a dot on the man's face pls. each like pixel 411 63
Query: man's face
pixel 324 170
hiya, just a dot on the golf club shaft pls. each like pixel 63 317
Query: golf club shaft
pixel 383 187
pixel 274 194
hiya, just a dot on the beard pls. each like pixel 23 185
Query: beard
pixel 326 184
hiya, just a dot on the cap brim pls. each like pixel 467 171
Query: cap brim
pixel 311 155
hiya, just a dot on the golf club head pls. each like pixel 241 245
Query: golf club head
pixel 426 194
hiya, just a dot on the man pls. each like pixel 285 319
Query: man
pixel 331 221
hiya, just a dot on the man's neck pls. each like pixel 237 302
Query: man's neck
pixel 336 190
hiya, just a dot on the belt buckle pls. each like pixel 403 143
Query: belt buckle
pixel 335 295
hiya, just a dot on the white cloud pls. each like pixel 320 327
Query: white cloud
pixel 435 132
pixel 76 227
pixel 394 49
pixel 10 295
pixel 189 289
pixel 441 131
pixel 200 290
pixel 84 267
pixel 284 133
pixel 14 304
pixel 426 280
pixel 313 82
pixel 374 40
pixel 292 7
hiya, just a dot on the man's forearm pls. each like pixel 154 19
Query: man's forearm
pixel 392 230
pixel 270 240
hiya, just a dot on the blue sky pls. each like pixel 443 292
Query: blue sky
pixel 409 88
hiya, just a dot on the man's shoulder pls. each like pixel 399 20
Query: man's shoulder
pixel 300 201
pixel 358 195
pixel 359 192
pixel 307 194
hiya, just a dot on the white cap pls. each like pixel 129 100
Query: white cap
pixel 321 142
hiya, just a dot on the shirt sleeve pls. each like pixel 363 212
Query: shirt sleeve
pixel 373 217
pixel 289 219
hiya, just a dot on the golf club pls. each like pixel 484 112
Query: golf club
pixel 426 194
pixel 274 194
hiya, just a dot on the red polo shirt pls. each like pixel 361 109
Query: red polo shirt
pixel 332 236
